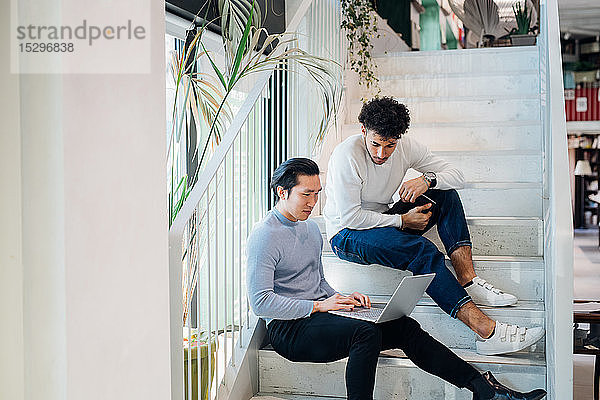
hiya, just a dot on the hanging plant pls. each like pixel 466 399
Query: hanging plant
pixel 360 24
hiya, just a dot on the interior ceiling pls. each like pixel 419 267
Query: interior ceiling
pixel 579 17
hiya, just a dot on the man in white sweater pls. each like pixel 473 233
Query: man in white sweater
pixel 364 173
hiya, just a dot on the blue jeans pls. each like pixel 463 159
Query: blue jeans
pixel 409 250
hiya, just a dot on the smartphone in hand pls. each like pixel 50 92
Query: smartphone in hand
pixel 402 208
pixel 428 200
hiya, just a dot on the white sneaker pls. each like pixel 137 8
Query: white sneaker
pixel 509 338
pixel 485 294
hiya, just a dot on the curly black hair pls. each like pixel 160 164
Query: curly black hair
pixel 385 116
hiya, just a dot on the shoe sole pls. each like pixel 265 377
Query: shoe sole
pixel 498 304
pixel 539 396
pixel 495 353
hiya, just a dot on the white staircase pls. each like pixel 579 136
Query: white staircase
pixel 481 110
pixel 397 377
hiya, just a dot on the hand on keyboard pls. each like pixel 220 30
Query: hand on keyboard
pixel 362 298
pixel 335 302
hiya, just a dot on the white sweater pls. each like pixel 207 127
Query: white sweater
pixel 358 190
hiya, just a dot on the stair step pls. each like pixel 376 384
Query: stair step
pixel 502 166
pixel 499 236
pixel 524 200
pixel 506 166
pixel 465 109
pixel 497 166
pixel 448 85
pixel 494 135
pixel 465 61
pixel 502 236
pixel 523 277
pixel 397 378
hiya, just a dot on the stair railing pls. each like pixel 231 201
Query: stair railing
pixel 207 237
pixel 558 240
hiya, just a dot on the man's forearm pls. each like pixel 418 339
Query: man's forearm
pixel 367 219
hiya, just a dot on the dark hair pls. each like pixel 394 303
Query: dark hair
pixel 286 175
pixel 385 116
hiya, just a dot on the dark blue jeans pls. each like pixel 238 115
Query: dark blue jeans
pixel 408 250
pixel 325 337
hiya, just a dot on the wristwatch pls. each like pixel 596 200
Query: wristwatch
pixel 431 179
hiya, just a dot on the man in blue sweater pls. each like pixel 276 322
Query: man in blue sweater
pixel 287 287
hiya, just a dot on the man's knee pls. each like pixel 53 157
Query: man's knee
pixel 368 334
pixel 411 326
pixel 404 332
pixel 428 258
pixel 450 197
pixel 429 249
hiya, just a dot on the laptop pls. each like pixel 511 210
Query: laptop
pixel 403 301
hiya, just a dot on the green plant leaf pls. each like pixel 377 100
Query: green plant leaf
pixel 183 196
pixel 240 50
pixel 215 68
pixel 235 14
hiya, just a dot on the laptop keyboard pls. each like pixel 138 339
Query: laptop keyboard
pixel 370 313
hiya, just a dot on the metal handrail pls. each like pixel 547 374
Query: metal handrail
pixel 207 175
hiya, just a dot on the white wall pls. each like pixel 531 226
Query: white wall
pixel 32 239
pixel 83 238
pixel 11 274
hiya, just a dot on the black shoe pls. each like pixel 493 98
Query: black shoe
pixel 504 393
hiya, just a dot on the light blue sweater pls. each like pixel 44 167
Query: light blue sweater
pixel 285 272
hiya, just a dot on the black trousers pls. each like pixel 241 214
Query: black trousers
pixel 325 337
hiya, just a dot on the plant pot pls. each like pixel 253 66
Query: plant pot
pixel 522 40
pixel 205 380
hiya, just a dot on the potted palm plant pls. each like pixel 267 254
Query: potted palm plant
pixel 520 36
pixel 202 98
pixel 195 355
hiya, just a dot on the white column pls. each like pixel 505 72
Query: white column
pixel 84 283
pixel 33 268
pixel 11 272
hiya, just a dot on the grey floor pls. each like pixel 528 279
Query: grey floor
pixel 586 281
